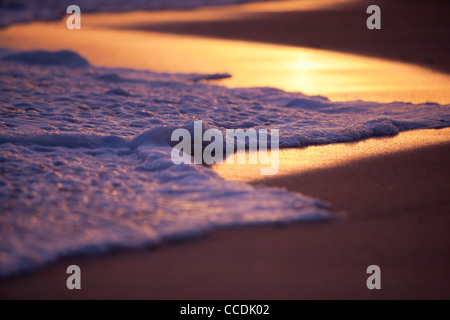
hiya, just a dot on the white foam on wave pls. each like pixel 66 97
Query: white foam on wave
pixel 85 155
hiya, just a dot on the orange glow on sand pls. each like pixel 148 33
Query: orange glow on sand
pixel 295 160
pixel 338 76
pixel 214 13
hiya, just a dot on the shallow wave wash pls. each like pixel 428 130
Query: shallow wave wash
pixel 85 155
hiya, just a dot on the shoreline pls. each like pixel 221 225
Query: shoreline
pixel 295 161
pixel 397 218
pixel 113 40
pixel 397 203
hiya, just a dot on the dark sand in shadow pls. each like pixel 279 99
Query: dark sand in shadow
pixel 412 31
pixel 398 218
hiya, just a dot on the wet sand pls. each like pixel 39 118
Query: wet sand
pixel 123 40
pixel 412 31
pixel 397 217
pixel 397 207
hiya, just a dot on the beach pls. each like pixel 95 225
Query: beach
pixel 387 226
pixel 391 208
pixel 412 31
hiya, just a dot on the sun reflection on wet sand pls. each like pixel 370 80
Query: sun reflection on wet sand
pixel 316 157
pixel 338 76
pixel 214 13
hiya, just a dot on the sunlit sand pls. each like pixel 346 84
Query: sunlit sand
pixel 295 160
pixel 338 76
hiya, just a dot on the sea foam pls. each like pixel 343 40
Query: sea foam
pixel 85 155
